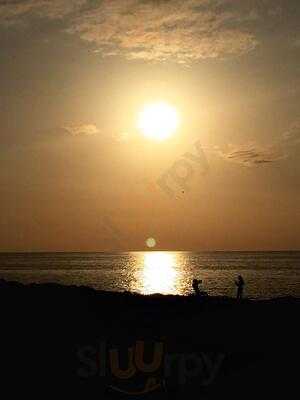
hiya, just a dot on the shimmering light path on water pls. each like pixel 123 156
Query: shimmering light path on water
pixel 267 274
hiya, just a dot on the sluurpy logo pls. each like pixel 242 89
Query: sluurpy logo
pixel 146 367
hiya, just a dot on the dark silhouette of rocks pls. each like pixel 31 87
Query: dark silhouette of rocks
pixel 44 325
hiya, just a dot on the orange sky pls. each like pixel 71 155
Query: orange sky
pixel 76 175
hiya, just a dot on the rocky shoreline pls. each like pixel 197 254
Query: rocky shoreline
pixel 125 344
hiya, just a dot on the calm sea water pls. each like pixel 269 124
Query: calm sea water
pixel 267 274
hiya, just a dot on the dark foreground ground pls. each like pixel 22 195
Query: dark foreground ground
pixel 75 342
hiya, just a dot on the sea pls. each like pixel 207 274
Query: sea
pixel 267 274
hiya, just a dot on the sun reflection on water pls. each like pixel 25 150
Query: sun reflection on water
pixel 159 274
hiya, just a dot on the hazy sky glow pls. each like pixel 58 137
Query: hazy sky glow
pixel 77 175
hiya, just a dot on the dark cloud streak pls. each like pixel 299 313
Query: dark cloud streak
pixel 253 154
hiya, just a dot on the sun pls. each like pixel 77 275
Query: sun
pixel 158 121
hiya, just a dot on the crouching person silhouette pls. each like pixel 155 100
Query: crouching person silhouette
pixel 196 288
pixel 195 285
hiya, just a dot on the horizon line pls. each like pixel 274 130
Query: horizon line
pixel 142 251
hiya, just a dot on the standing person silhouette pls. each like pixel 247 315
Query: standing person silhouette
pixel 240 283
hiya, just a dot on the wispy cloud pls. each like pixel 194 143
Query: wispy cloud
pixel 13 11
pixel 151 30
pixel 156 30
pixel 81 130
pixel 253 155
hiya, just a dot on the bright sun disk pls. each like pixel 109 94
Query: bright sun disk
pixel 158 121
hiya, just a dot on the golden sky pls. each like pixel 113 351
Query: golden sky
pixel 77 174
